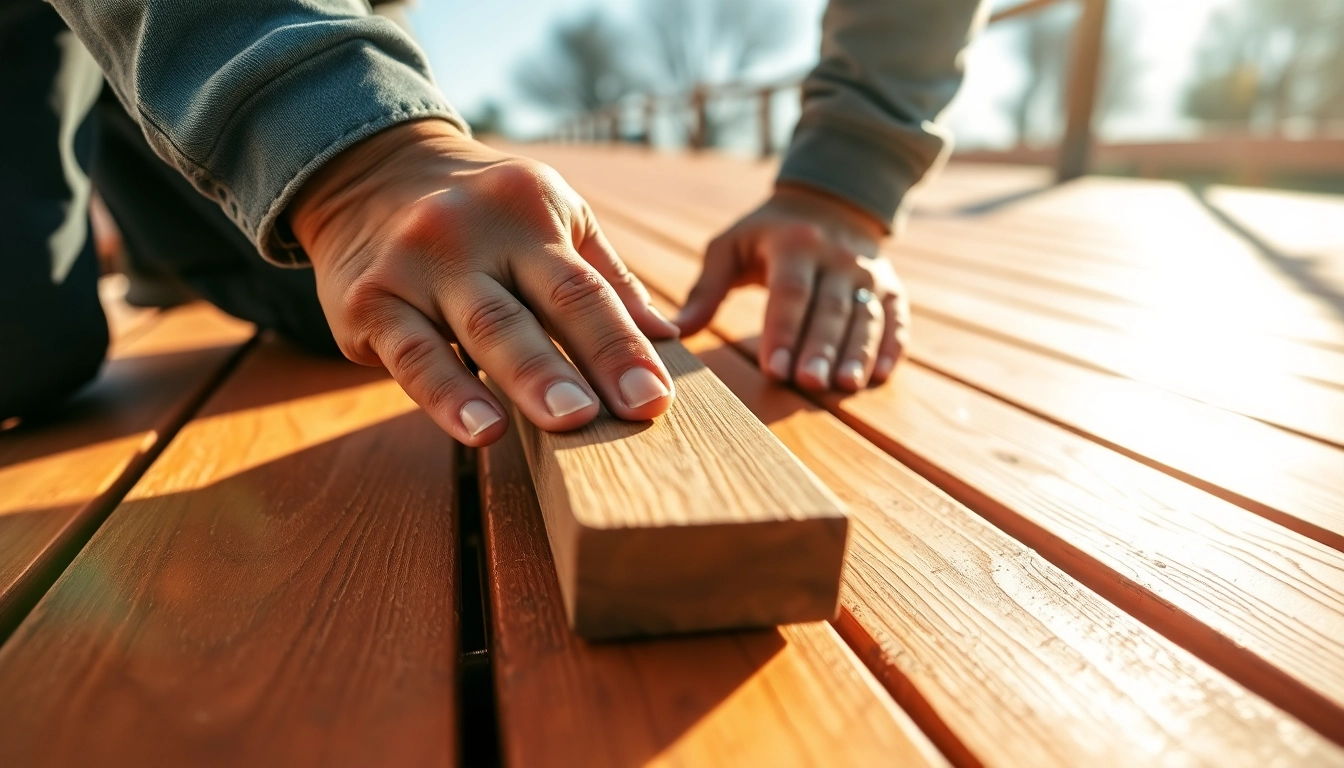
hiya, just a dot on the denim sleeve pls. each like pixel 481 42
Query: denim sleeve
pixel 887 69
pixel 248 98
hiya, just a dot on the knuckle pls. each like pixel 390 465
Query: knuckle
pixel 581 289
pixel 491 319
pixel 365 302
pixel 784 329
pixel 832 304
pixel 409 356
pixel 799 235
pixel 615 348
pixel 791 286
pixel 442 395
pixel 533 366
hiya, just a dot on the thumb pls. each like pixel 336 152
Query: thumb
pixel 716 278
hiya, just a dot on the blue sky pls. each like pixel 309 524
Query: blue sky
pixel 474 47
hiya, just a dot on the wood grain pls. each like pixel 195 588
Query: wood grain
pixel 1297 387
pixel 698 520
pixel 277 589
pixel 792 696
pixel 60 478
pixel 1283 476
pixel 1262 603
pixel 1002 658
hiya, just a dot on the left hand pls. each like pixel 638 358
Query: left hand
pixel 837 316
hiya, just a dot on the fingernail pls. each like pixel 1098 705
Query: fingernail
pixel 819 368
pixel 477 416
pixel 566 397
pixel 780 363
pixel 852 371
pixel 660 316
pixel 884 366
pixel 640 386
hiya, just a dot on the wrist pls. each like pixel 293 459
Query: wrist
pixel 794 196
pixel 352 176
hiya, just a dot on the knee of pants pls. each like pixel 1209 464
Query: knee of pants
pixel 53 338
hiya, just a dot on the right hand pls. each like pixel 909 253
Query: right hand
pixel 420 236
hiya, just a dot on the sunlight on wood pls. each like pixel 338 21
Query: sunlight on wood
pixel 47 482
pixel 273 431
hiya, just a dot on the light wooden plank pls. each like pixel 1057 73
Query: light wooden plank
pixel 60 478
pixel 791 696
pixel 698 520
pixel 1262 603
pixel 278 588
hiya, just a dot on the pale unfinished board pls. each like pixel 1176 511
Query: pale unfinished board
pixel 792 696
pixel 697 520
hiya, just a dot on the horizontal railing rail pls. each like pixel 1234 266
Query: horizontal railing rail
pixel 1071 159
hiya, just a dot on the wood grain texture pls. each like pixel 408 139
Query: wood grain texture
pixel 698 520
pixel 59 478
pixel 792 696
pixel 1003 659
pixel 277 589
pixel 1262 603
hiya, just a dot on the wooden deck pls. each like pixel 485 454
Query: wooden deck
pixel 1098 519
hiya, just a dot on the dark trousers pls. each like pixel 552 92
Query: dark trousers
pixel 53 335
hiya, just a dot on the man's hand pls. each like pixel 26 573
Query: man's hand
pixel 421 236
pixel 837 314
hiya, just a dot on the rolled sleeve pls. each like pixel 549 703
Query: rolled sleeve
pixel 888 68
pixel 248 100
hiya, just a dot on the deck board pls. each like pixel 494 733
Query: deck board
pixel 278 587
pixel 1004 659
pixel 59 479
pixel 1262 603
pixel 1296 386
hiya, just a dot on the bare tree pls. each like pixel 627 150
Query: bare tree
pixel 584 68
pixel 1270 60
pixel 694 43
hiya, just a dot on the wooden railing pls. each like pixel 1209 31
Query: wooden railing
pixel 1071 160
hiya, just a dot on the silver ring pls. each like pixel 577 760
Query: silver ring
pixel 863 296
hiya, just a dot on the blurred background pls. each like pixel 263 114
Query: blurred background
pixel 1253 85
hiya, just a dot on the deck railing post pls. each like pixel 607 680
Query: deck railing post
pixel 700 118
pixel 1089 40
pixel 614 125
pixel 765 99
pixel 650 114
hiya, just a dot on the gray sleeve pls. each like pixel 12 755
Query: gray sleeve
pixel 247 99
pixel 888 68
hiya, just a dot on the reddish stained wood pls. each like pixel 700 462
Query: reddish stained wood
pixel 1259 602
pixel 59 479
pixel 279 587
